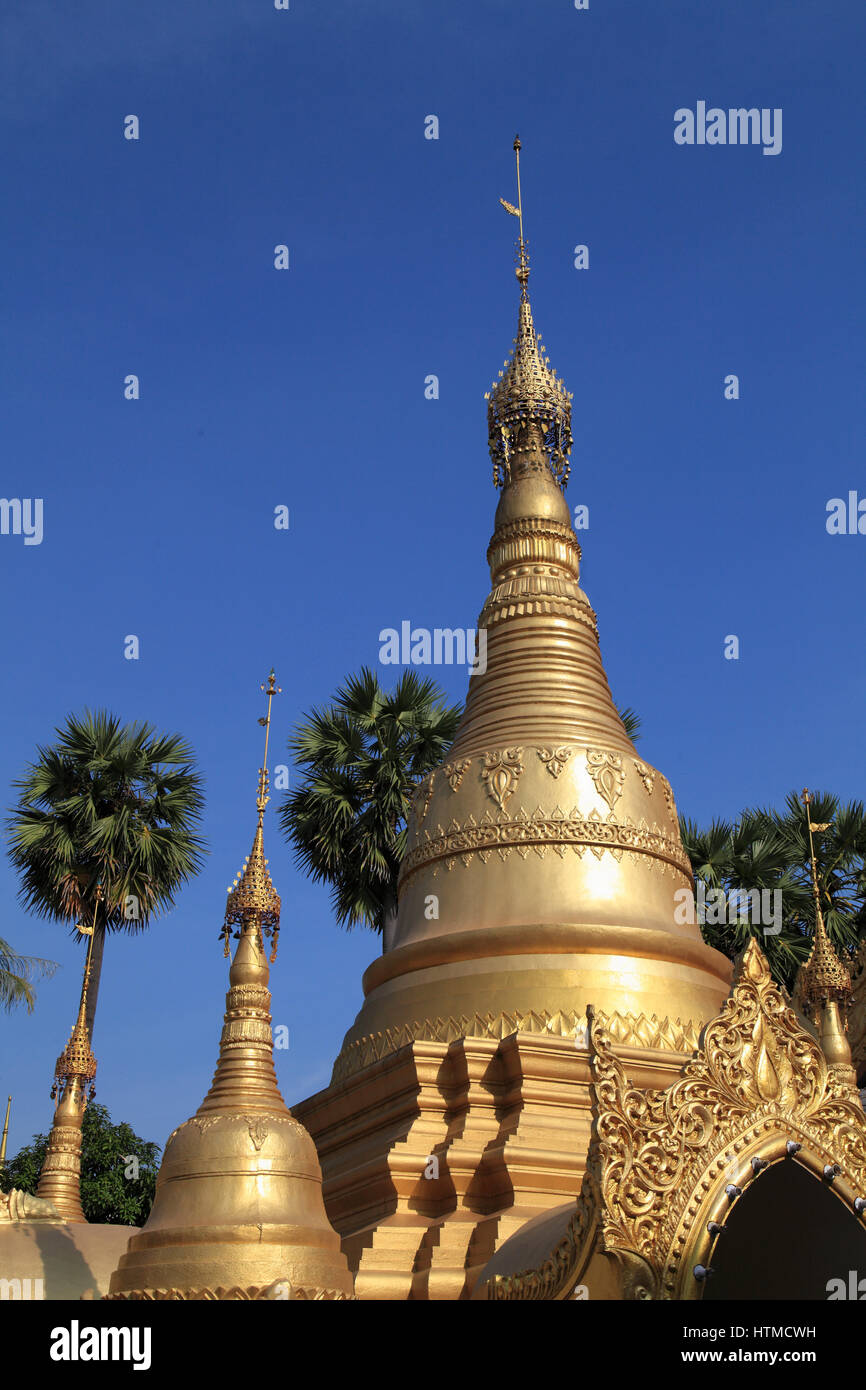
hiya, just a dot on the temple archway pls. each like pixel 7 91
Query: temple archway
pixel 753 1163
pixel 787 1237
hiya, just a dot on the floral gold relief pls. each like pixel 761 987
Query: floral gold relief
pixel 555 759
pixel 607 773
pixel 538 831
pixel 645 774
pixel 501 773
pixel 455 772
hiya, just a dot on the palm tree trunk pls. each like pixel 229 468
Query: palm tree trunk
pixel 95 972
pixel 389 921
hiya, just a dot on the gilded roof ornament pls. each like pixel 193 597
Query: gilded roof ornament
pixel 76 1063
pixel 823 978
pixel 252 897
pixel 528 391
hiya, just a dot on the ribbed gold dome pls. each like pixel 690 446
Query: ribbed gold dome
pixel 543 857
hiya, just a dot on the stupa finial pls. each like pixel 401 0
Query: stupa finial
pixel 76 1065
pixel 522 271
pixel 73 1086
pixel 253 902
pixel 529 409
pixel 824 982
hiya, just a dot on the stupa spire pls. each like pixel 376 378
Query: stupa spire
pixel 253 901
pixel 245 1074
pixel 60 1179
pixel 824 983
pixel 238 1211
pixel 529 408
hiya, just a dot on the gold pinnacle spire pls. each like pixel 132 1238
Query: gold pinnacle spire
pixel 60 1179
pixel 824 983
pixel 529 409
pixel 253 901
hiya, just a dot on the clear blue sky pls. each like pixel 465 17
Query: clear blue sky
pixel 306 388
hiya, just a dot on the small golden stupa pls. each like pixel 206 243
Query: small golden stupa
pixel 238 1212
pixel 60 1179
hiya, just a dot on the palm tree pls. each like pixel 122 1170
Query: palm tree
pixel 362 758
pixel 742 858
pixel 17 974
pixel 767 849
pixel 840 853
pixel 631 722
pixel 104 832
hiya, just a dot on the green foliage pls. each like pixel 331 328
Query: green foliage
pixel 631 722
pixel 361 759
pixel 766 849
pixel 17 974
pixel 108 804
pixel 108 1196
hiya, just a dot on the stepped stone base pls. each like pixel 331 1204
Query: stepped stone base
pixel 434 1155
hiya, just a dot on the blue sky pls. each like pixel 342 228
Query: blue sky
pixel 305 388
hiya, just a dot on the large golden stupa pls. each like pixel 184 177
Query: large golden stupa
pixel 536 927
pixel 543 857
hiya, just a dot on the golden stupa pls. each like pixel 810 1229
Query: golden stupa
pixel 238 1212
pixel 60 1179
pixel 46 1241
pixel 536 921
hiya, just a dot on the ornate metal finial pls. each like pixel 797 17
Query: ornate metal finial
pixel 253 901
pixel 76 1065
pixel 271 689
pixel 529 409
pixel 522 271
pixel 823 977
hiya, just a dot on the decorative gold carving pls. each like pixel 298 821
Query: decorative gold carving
pixel 455 772
pixel 669 801
pixel 537 832
pixel 555 759
pixel 501 773
pixel 16 1205
pixel 249 997
pixel 606 770
pixel 658 1159
pixel 823 978
pixel 531 540
pixel 646 775
pixel 258 1128
pixel 510 604
pixel 204 1122
pixel 528 396
pixel 628 1030
pixel 422 798
pixel 276 1292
